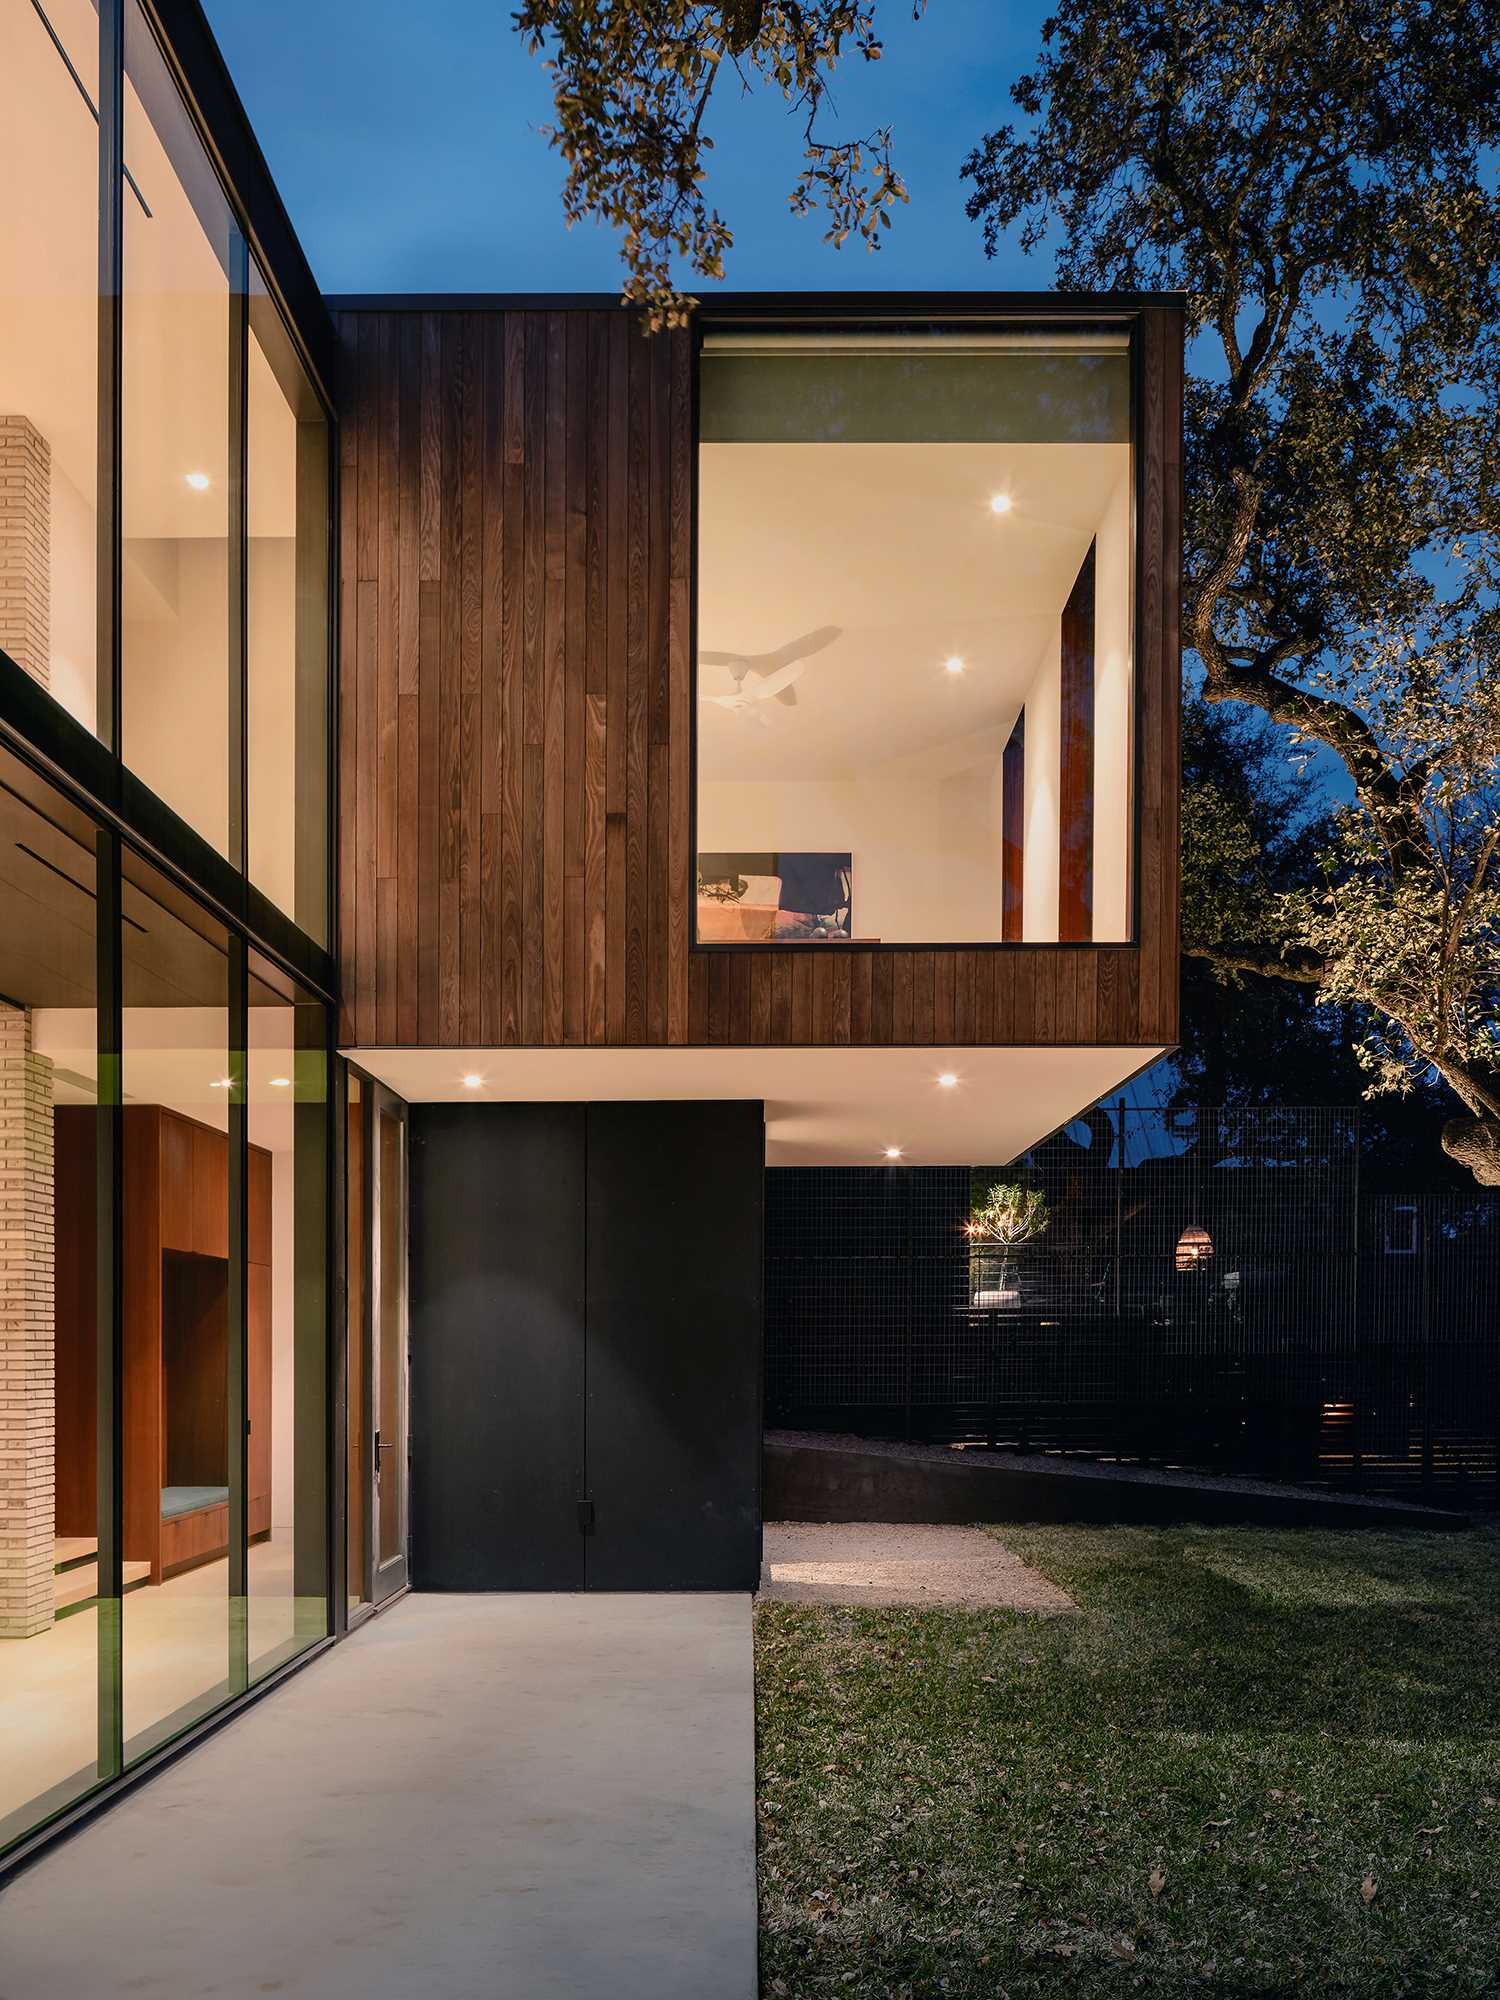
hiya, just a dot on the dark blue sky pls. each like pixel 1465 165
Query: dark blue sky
pixel 405 142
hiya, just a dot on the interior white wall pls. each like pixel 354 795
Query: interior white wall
pixel 271 686
pixel 1043 779
pixel 1113 745
pixel 73 582
pixel 175 692
pixel 925 850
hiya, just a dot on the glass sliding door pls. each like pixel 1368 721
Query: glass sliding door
pixel 50 1138
pixel 182 1085
pixel 286 1319
pixel 388 1322
pixel 359 1428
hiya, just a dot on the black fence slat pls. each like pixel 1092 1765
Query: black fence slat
pixel 1209 1291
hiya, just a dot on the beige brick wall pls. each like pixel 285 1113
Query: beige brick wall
pixel 27 1415
pixel 26 546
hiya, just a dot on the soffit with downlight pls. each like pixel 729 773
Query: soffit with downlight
pixel 824 1107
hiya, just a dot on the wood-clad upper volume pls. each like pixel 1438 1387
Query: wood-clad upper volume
pixel 516 706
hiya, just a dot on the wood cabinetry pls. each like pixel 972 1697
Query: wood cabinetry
pixel 175 1334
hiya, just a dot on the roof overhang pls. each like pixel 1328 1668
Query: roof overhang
pixel 835 1107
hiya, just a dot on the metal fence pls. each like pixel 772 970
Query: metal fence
pixel 1209 1290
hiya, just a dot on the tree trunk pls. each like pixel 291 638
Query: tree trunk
pixel 1475 1144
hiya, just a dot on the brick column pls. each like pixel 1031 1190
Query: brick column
pixel 27 1415
pixel 26 547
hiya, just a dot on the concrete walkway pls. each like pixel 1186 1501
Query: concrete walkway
pixel 513 1797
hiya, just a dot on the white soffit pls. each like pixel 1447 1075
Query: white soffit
pixel 835 1107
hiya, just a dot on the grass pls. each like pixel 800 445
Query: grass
pixel 1256 1762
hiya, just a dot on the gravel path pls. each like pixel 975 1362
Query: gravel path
pixel 871 1562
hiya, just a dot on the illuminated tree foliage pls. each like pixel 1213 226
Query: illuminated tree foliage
pixel 1316 180
pixel 1319 181
pixel 633 82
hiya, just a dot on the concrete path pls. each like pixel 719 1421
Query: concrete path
pixel 513 1797
pixel 915 1563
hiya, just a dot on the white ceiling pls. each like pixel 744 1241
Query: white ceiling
pixel 824 1107
pixel 897 545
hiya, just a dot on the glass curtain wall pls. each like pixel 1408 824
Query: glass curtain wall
pixel 225 487
pixel 164 1113
pixel 49 344
pixel 915 667
pixel 50 1142
pixel 133 1606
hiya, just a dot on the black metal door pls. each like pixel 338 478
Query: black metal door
pixel 586 1346
pixel 673 1446
pixel 497 1357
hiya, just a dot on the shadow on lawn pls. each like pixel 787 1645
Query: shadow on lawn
pixel 1207 1631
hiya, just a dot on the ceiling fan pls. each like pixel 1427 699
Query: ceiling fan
pixel 761 677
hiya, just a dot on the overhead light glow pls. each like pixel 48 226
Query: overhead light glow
pixel 199 481
pixel 893 1152
pixel 954 664
pixel 947 1079
pixel 222 1083
pixel 1000 503
pixel 281 1083
pixel 473 1081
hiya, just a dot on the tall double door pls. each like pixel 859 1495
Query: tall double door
pixel 586 1307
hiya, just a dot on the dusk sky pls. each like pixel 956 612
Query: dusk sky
pixel 407 146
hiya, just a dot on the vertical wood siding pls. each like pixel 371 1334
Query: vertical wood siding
pixel 516 720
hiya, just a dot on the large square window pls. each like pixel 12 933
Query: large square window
pixel 914 671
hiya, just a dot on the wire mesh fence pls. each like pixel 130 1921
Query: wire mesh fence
pixel 1199 1287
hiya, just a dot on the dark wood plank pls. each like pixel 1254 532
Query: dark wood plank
pixel 515 709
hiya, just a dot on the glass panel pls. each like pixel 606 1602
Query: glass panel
pixel 287 656
pixel 356 1335
pixel 175 446
pixel 286 1319
pixel 178 1077
pixel 49 1514
pixel 390 1335
pixel 49 343
pixel 914 553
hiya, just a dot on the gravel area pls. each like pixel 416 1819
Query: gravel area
pixel 871 1562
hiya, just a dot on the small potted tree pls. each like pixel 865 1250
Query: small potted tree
pixel 1004 1217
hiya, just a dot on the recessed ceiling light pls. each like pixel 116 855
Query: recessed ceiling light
pixel 893 1152
pixel 281 1083
pixel 947 1079
pixel 954 664
pixel 473 1081
pixel 222 1083
pixel 199 481
pixel 1000 503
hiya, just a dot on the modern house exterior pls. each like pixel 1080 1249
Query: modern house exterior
pixel 479 785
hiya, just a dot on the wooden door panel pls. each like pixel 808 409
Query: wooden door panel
pixel 210 1192
pixel 176 1171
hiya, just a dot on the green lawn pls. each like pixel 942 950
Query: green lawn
pixel 1256 1761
